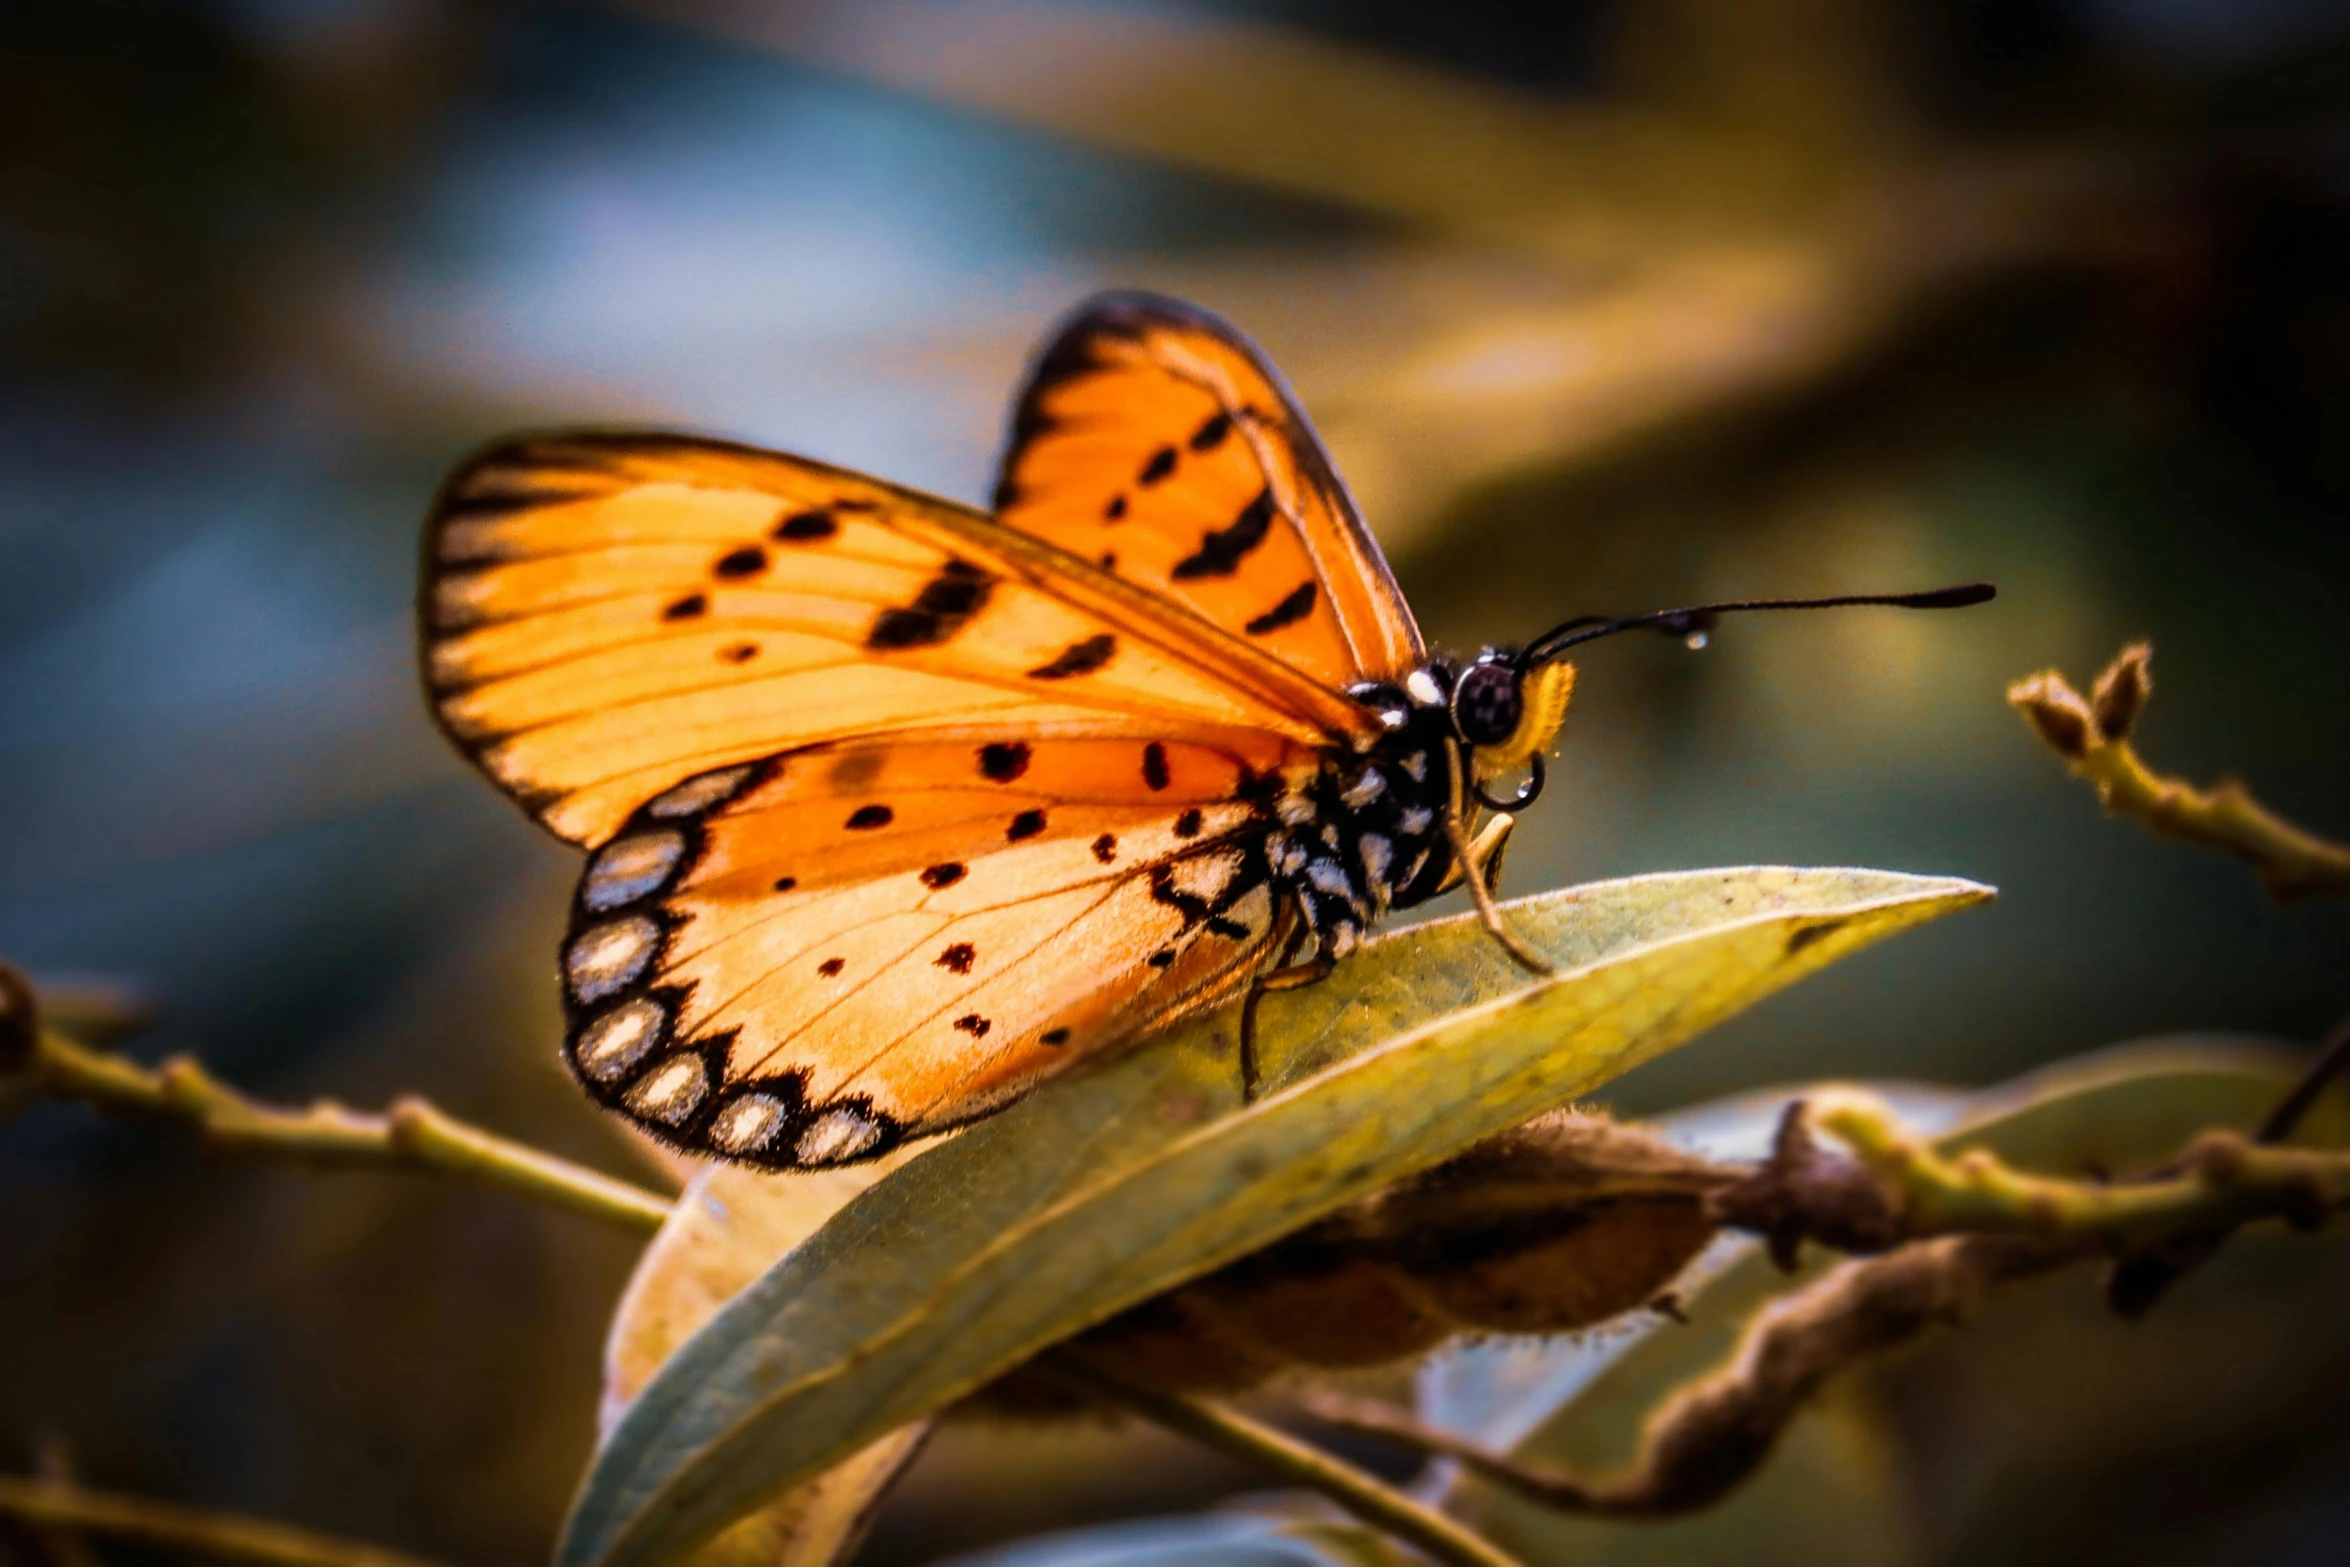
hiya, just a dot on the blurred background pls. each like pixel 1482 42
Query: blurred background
pixel 1600 306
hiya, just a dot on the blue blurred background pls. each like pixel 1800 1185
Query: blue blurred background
pixel 1600 306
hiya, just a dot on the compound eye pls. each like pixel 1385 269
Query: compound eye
pixel 1486 705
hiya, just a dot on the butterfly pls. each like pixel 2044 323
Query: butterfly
pixel 895 807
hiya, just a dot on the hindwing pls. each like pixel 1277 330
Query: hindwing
pixel 801 961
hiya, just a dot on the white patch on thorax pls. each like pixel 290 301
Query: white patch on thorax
pixel 1329 876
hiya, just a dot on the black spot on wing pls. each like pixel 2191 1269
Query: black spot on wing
pixel 958 591
pixel 805 527
pixel 973 1024
pixel 957 958
pixel 1025 825
pixel 1116 510
pixel 739 652
pixel 1296 607
pixel 866 817
pixel 830 967
pixel 1078 658
pixel 1161 464
pixel 1188 824
pixel 1154 766
pixel 1105 848
pixel 942 875
pixel 1210 434
pixel 1004 761
pixel 1053 1036
pixel 692 606
pixel 1223 549
pixel 735 565
pixel 946 602
pixel 785 883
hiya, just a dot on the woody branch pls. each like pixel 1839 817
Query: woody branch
pixel 1937 1234
pixel 411 1134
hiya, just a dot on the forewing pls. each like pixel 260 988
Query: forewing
pixel 606 616
pixel 1155 441
pixel 801 961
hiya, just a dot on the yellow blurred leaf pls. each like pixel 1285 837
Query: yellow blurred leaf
pixel 1248 100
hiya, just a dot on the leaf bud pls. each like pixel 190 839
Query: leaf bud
pixel 2056 710
pixel 2122 690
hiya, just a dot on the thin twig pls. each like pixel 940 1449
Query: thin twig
pixel 2135 1284
pixel 412 1134
pixel 2324 1066
pixel 1544 1483
pixel 1950 1228
pixel 1228 1431
pixel 166 1525
pixel 2092 735
pixel 1709 1437
pixel 1885 1185
pixel 2223 1180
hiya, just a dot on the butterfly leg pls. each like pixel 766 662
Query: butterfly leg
pixel 1284 975
pixel 1487 846
pixel 1475 873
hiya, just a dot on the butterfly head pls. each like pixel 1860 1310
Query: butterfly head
pixel 1507 712
pixel 1501 712
pixel 1507 706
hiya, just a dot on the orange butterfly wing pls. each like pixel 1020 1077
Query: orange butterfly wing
pixel 1156 442
pixel 709 663
pixel 605 616
pixel 801 961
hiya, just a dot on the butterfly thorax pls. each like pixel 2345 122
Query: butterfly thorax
pixel 1362 832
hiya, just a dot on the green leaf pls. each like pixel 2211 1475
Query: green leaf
pixel 727 1227
pixel 1582 1404
pixel 1117 1183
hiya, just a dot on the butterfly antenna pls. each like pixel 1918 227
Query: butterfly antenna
pixel 1696 623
